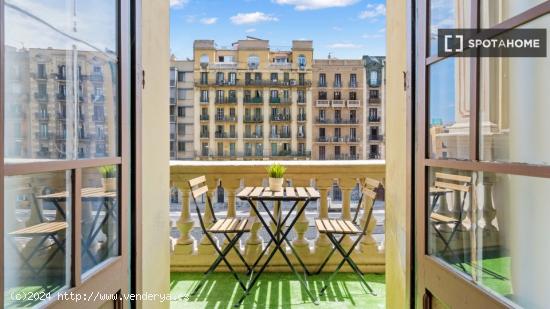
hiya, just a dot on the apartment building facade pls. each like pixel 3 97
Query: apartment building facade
pixel 71 113
pixel 252 102
pixel 182 123
pixel 375 102
pixel 338 110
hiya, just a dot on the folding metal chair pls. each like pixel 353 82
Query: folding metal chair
pixel 332 227
pixel 227 227
pixel 449 183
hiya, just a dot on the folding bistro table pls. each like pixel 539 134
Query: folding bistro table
pixel 259 195
pixel 108 201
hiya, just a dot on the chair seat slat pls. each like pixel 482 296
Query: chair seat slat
pixel 301 192
pixel 256 192
pixel 442 218
pixel 459 178
pixel 245 192
pixel 312 192
pixel 453 186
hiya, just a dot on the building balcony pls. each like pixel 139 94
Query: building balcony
pixel 354 103
pixel 203 100
pixel 204 117
pixel 98 98
pixel 172 101
pixel 253 135
pixel 204 135
pixel 224 66
pixel 337 121
pixel 43 154
pixel 337 84
pixel 190 254
pixel 338 103
pixel 280 65
pixel 226 100
pixel 225 135
pixel 173 118
pixel 255 100
pixel 286 100
pixel 60 77
pixel 41 97
pixel 226 118
pixel 322 103
pixel 280 117
pixel 61 97
pixel 352 84
pixel 376 137
pixel 284 135
pixel 96 77
pixel 302 117
pixel 61 116
pixel 44 136
pixel 253 119
pixel 374 100
pixel 322 84
pixel 275 100
pixel 374 155
pixel 344 157
pixel 42 116
pixel 374 119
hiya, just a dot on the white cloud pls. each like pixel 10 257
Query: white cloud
pixel 209 20
pixel 178 3
pixel 336 28
pixel 190 19
pixel 252 18
pixel 383 30
pixel 250 30
pixel 373 11
pixel 302 5
pixel 344 46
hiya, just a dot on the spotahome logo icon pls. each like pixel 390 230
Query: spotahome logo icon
pixel 492 43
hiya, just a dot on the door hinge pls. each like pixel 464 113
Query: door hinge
pixel 142 79
pixel 405 82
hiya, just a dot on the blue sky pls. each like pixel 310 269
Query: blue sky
pixel 344 28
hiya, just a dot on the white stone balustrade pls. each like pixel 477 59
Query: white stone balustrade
pixel 191 255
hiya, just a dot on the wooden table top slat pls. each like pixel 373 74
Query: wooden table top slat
pixel 301 192
pixel 290 192
pixel 85 193
pixel 245 192
pixel 312 192
pixel 287 194
pixel 256 192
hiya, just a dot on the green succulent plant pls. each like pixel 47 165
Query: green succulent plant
pixel 276 170
pixel 108 171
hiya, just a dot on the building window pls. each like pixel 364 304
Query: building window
pixel 204 78
pixel 322 95
pixel 353 95
pixel 302 62
pixel 253 62
pixel 182 94
pixel 322 80
pixel 181 76
pixel 321 152
pixel 353 80
pixel 373 77
pixel 204 95
pixel 181 129
pixel 337 80
pixel 373 94
pixel 181 146
pixel 337 95
pixel 181 111
pixel 204 59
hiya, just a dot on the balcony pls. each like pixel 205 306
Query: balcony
pixel 42 116
pixel 61 97
pixel 204 117
pixel 338 103
pixel 352 84
pixel 255 100
pixel 96 77
pixel 374 155
pixel 224 66
pixel 337 121
pixel 280 65
pixel 253 119
pixel 374 100
pixel 192 252
pixel 280 117
pixel 302 117
pixel 225 100
pixel 283 135
pixel 226 118
pixel 253 135
pixel 41 97
pixel 98 98
pixel 374 119
pixel 337 84
pixel 172 101
pixel 274 100
pixel 44 136
pixel 322 84
pixel 322 103
pixel 172 118
pixel 224 135
pixel 204 100
pixel 204 135
pixel 60 76
pixel 376 137
pixel 345 157
pixel 354 103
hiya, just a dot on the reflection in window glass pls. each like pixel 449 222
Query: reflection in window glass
pixel 37 252
pixel 506 251
pixel 445 14
pixel 55 79
pixel 494 12
pixel 100 215
pixel 449 109
pixel 514 107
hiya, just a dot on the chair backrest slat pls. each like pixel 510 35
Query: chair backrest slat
pixel 370 193
pixel 372 182
pixel 200 191
pixel 195 181
pixel 459 178
pixel 452 186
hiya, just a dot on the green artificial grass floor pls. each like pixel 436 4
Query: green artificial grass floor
pixel 277 290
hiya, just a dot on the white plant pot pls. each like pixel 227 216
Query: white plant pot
pixel 276 184
pixel 109 184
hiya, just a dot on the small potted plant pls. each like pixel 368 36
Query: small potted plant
pixel 109 181
pixel 276 172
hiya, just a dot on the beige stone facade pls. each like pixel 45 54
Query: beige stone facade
pixel 338 110
pixel 181 110
pixel 252 102
pixel 375 106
